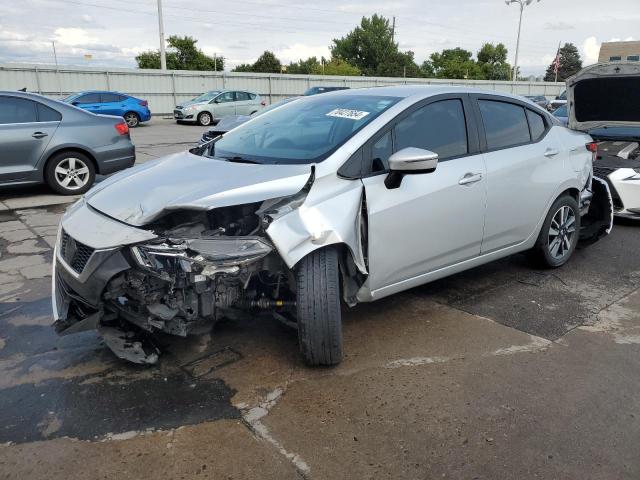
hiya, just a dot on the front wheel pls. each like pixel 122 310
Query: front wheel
pixel 318 308
pixel 560 233
pixel 205 119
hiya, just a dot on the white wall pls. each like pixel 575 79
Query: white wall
pixel 164 89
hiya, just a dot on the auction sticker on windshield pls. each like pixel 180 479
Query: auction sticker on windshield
pixel 346 113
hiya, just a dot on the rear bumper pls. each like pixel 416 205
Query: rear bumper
pixel 145 115
pixel 113 158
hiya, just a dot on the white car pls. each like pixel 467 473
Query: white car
pixel 605 101
pixel 353 195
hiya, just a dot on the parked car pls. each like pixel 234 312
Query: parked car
pixel 205 109
pixel 48 141
pixel 233 121
pixel 562 114
pixel 539 100
pixel 132 109
pixel 318 90
pixel 355 195
pixel 606 105
pixel 557 102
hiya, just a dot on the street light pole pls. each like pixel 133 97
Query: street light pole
pixel 163 55
pixel 522 3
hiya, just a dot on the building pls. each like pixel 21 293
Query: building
pixel 619 52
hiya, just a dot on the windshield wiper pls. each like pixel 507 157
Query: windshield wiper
pixel 239 159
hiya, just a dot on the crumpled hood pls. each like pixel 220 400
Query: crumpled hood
pixel 604 95
pixel 142 194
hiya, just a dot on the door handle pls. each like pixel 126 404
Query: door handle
pixel 470 178
pixel 551 152
pixel 39 135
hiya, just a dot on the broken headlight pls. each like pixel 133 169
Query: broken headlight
pixel 219 251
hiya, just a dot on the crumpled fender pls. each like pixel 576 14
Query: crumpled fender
pixel 329 218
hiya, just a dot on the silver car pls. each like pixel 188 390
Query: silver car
pixel 348 196
pixel 216 104
pixel 47 141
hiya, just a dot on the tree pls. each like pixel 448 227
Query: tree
pixel 304 66
pixel 570 64
pixel 492 60
pixel 266 63
pixel 336 66
pixel 452 63
pixel 370 47
pixel 182 54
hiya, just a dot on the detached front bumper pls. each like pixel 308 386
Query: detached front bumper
pixel 624 184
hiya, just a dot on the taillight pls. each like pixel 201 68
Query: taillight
pixel 143 103
pixel 263 103
pixel 593 148
pixel 122 128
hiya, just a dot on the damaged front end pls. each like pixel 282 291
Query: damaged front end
pixel 178 275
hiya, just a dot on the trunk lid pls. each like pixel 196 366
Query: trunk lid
pixel 605 96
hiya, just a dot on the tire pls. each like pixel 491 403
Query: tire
pixel 205 119
pixel 318 308
pixel 132 119
pixel 70 173
pixel 559 234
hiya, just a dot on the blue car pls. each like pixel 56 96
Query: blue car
pixel 562 114
pixel 133 110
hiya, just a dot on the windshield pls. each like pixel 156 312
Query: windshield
pixel 561 111
pixel 302 132
pixel 205 97
pixel 563 96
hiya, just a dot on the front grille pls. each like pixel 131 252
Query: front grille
pixel 603 173
pixel 76 254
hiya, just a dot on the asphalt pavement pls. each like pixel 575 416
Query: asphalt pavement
pixel 501 372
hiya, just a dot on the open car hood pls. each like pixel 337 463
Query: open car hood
pixel 604 95
pixel 144 193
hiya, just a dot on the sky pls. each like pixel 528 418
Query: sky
pixel 112 32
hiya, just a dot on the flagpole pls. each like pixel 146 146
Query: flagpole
pixel 558 60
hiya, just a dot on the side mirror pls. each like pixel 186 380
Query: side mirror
pixel 75 103
pixel 408 161
pixel 216 100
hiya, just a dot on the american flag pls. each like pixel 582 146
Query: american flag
pixel 556 63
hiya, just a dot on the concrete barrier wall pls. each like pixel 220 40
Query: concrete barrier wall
pixel 164 89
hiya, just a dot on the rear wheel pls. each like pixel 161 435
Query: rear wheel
pixel 205 119
pixel 318 308
pixel 132 119
pixel 560 233
pixel 70 173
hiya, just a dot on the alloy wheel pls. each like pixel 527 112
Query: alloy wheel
pixel 205 119
pixel 562 232
pixel 72 173
pixel 131 119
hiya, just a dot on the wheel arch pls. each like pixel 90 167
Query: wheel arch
pixel 69 148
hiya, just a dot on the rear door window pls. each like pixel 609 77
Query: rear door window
pixel 48 114
pixel 111 98
pixel 88 98
pixel 505 124
pixel 17 110
pixel 439 127
pixel 242 96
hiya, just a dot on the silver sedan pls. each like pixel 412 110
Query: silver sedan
pixel 347 197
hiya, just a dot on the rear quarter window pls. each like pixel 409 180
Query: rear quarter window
pixel 536 125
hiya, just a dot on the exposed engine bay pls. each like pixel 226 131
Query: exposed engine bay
pixel 204 266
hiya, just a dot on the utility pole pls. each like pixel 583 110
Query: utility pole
pixel 163 54
pixel 393 29
pixel 55 58
pixel 522 3
pixel 215 62
pixel 557 61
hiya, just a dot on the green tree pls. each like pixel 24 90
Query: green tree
pixel 304 66
pixel 335 66
pixel 370 47
pixel 182 54
pixel 492 60
pixel 266 63
pixel 570 64
pixel 452 63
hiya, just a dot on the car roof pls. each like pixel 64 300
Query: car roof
pixel 101 91
pixel 420 91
